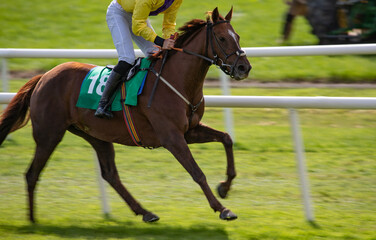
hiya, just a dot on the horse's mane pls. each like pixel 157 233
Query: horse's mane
pixel 185 32
pixel 188 29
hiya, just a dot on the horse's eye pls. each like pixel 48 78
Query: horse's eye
pixel 222 39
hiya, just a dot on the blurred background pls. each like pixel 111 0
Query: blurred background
pixel 81 24
pixel 339 144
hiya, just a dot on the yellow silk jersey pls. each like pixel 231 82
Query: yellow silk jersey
pixel 141 10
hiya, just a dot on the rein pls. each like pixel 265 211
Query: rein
pixel 157 80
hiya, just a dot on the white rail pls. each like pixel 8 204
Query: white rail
pixel 273 102
pixel 291 102
pixel 348 49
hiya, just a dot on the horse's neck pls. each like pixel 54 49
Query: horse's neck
pixel 192 69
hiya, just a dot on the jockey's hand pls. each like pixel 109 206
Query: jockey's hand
pixel 168 44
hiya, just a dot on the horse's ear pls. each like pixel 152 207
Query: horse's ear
pixel 229 15
pixel 215 15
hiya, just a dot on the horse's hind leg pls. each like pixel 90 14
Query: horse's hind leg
pixel 106 158
pixel 45 145
pixel 204 134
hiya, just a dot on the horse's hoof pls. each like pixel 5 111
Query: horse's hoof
pixel 227 215
pixel 222 191
pixel 150 217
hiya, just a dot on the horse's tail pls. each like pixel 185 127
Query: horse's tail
pixel 15 116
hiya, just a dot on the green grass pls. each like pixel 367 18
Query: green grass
pixel 340 156
pixel 81 24
pixel 339 144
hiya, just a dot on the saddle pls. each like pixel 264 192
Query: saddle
pixel 94 83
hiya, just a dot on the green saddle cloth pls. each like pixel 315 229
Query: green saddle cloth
pixel 93 86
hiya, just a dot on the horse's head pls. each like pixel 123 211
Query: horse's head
pixel 223 46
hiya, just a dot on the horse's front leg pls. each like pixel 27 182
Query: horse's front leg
pixel 177 145
pixel 204 134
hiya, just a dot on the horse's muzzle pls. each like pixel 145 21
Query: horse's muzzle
pixel 242 70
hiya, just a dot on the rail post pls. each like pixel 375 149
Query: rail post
pixel 227 112
pixel 300 163
pixel 102 188
pixel 4 75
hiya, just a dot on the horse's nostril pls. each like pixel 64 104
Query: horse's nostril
pixel 241 68
pixel 244 68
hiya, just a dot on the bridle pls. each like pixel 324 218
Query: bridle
pixel 212 38
pixel 223 66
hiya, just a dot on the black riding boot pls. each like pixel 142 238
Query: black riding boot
pixel 120 70
pixel 103 110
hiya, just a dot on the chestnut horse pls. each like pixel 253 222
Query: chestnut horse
pixel 172 122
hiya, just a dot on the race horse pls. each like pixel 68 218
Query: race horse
pixel 172 121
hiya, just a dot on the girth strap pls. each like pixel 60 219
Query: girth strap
pixel 129 120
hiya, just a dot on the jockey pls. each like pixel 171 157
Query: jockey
pixel 128 19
